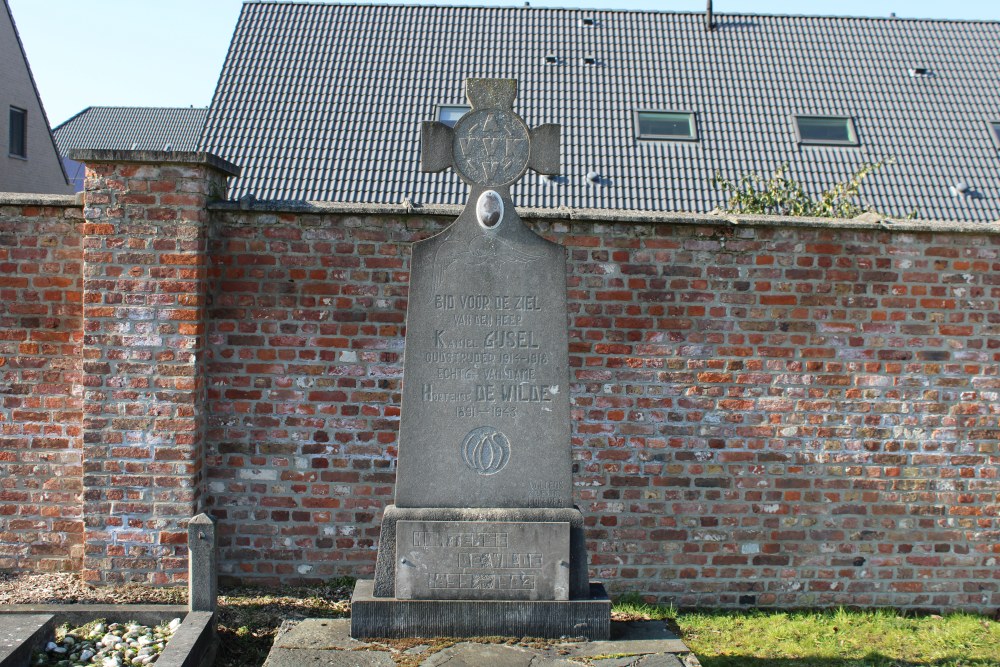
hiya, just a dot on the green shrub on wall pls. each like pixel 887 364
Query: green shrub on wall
pixel 782 195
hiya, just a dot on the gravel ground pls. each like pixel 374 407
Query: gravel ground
pixel 70 588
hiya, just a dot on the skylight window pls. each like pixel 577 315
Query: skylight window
pixel 449 115
pixel 666 125
pixel 826 130
pixel 995 132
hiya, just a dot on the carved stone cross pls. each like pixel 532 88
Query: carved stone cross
pixel 485 417
pixel 490 147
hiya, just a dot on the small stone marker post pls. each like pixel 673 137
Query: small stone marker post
pixel 483 538
pixel 203 579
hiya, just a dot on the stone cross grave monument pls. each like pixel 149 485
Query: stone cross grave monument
pixel 483 538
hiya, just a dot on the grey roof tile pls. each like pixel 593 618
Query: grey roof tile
pixel 319 101
pixel 132 128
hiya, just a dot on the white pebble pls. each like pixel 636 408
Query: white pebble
pixel 174 624
pixel 86 654
pixel 51 646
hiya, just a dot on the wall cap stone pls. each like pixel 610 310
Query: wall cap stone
pixel 33 199
pixel 866 221
pixel 156 157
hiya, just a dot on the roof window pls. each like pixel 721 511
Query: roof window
pixel 449 115
pixel 588 21
pixel 995 132
pixel 826 130
pixel 666 125
pixel 920 72
pixel 551 58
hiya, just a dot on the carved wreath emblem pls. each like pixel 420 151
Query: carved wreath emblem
pixel 486 450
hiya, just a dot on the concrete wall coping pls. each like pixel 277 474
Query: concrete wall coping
pixel 612 216
pixel 604 215
pixel 156 157
pixel 33 199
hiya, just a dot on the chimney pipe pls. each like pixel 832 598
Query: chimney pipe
pixel 709 23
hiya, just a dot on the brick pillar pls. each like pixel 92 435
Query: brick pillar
pixel 144 295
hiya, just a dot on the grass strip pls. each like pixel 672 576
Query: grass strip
pixel 834 638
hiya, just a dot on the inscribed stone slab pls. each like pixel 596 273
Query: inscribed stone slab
pixel 485 415
pixel 478 560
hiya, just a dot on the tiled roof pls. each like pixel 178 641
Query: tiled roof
pixel 132 128
pixel 324 102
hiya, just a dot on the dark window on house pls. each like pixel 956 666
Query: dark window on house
pixel 833 130
pixel 666 125
pixel 995 132
pixel 17 143
pixel 450 115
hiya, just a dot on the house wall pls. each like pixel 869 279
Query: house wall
pixel 766 411
pixel 40 172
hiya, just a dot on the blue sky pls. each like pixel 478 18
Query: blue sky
pixel 169 53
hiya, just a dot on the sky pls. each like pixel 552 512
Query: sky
pixel 169 52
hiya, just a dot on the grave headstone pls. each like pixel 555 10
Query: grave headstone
pixel 485 415
pixel 483 513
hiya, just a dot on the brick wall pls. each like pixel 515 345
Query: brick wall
pixel 41 332
pixel 766 411
pixel 767 414
pixel 144 292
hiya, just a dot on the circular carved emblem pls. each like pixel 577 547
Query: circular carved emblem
pixel 491 147
pixel 486 450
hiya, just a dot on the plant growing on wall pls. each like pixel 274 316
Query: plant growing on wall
pixel 782 195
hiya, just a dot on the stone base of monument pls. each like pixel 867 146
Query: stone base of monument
pixel 395 618
pixel 387 564
pixel 474 572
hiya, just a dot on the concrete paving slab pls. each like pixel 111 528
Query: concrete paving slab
pixel 634 644
pixel 632 637
pixel 20 634
pixel 653 660
pixel 630 661
pixel 283 657
pixel 659 660
pixel 468 654
pixel 317 633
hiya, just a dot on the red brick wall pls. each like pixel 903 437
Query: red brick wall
pixel 40 335
pixel 766 412
pixel 144 291
pixel 305 336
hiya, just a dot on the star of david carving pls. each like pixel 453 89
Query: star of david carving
pixel 490 147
